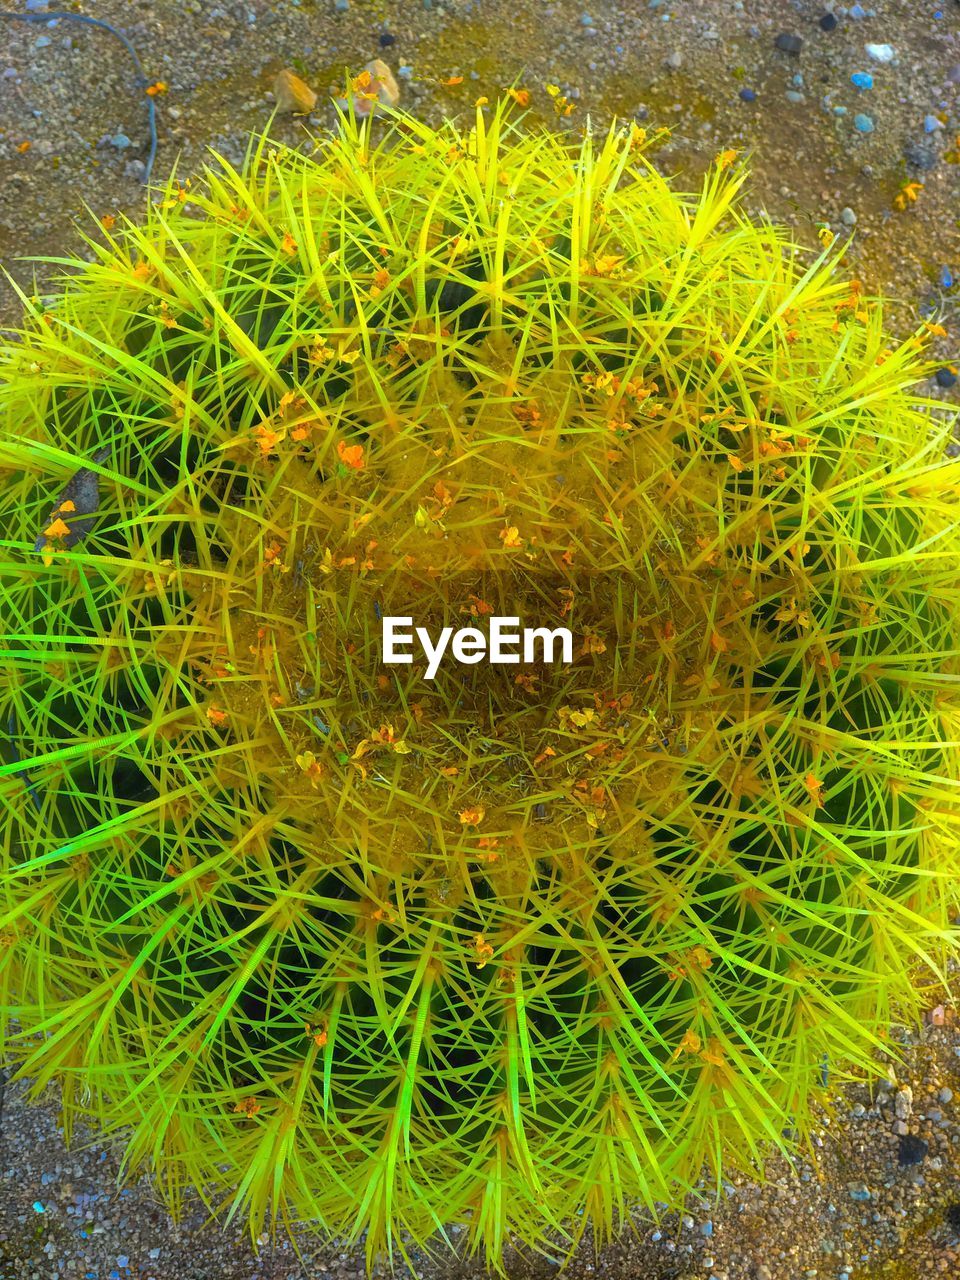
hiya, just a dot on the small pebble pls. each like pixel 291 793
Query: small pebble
pixel 848 217
pixel 748 95
pixel 341 6
pixel 946 282
pixel 880 52
pixel 945 1095
pixel 294 96
pixel 386 39
pixel 674 60
pixel 788 43
pixel 862 79
pixel 41 42
pixel 828 22
pixel 794 95
pixel 862 123
pixel 931 124
pixel 858 1191
pixel 919 156
pixel 911 1150
pixel 946 378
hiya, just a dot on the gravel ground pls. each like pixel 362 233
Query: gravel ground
pixel 880 1194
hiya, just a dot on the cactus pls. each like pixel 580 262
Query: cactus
pixel 518 946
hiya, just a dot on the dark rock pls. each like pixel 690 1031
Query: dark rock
pixel 945 377
pixel 828 22
pixel 82 490
pixel 918 155
pixel 788 43
pixel 386 39
pixel 748 95
pixel 953 1216
pixel 911 1150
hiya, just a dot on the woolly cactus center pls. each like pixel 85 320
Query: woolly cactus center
pixel 281 604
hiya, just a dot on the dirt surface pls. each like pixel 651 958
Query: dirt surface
pixel 877 163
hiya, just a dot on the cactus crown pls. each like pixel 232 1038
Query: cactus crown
pixel 334 943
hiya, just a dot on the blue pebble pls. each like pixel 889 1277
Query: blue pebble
pixel 857 12
pixel 123 1261
pixel 41 42
pixel 405 73
pixel 946 278
pixel 931 124
pixel 839 111
pixel 586 20
pixel 862 79
pixel 37 1207
pixel 706 1228
pixel 862 123
pixel 945 378
pixel 341 6
pixel 748 95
